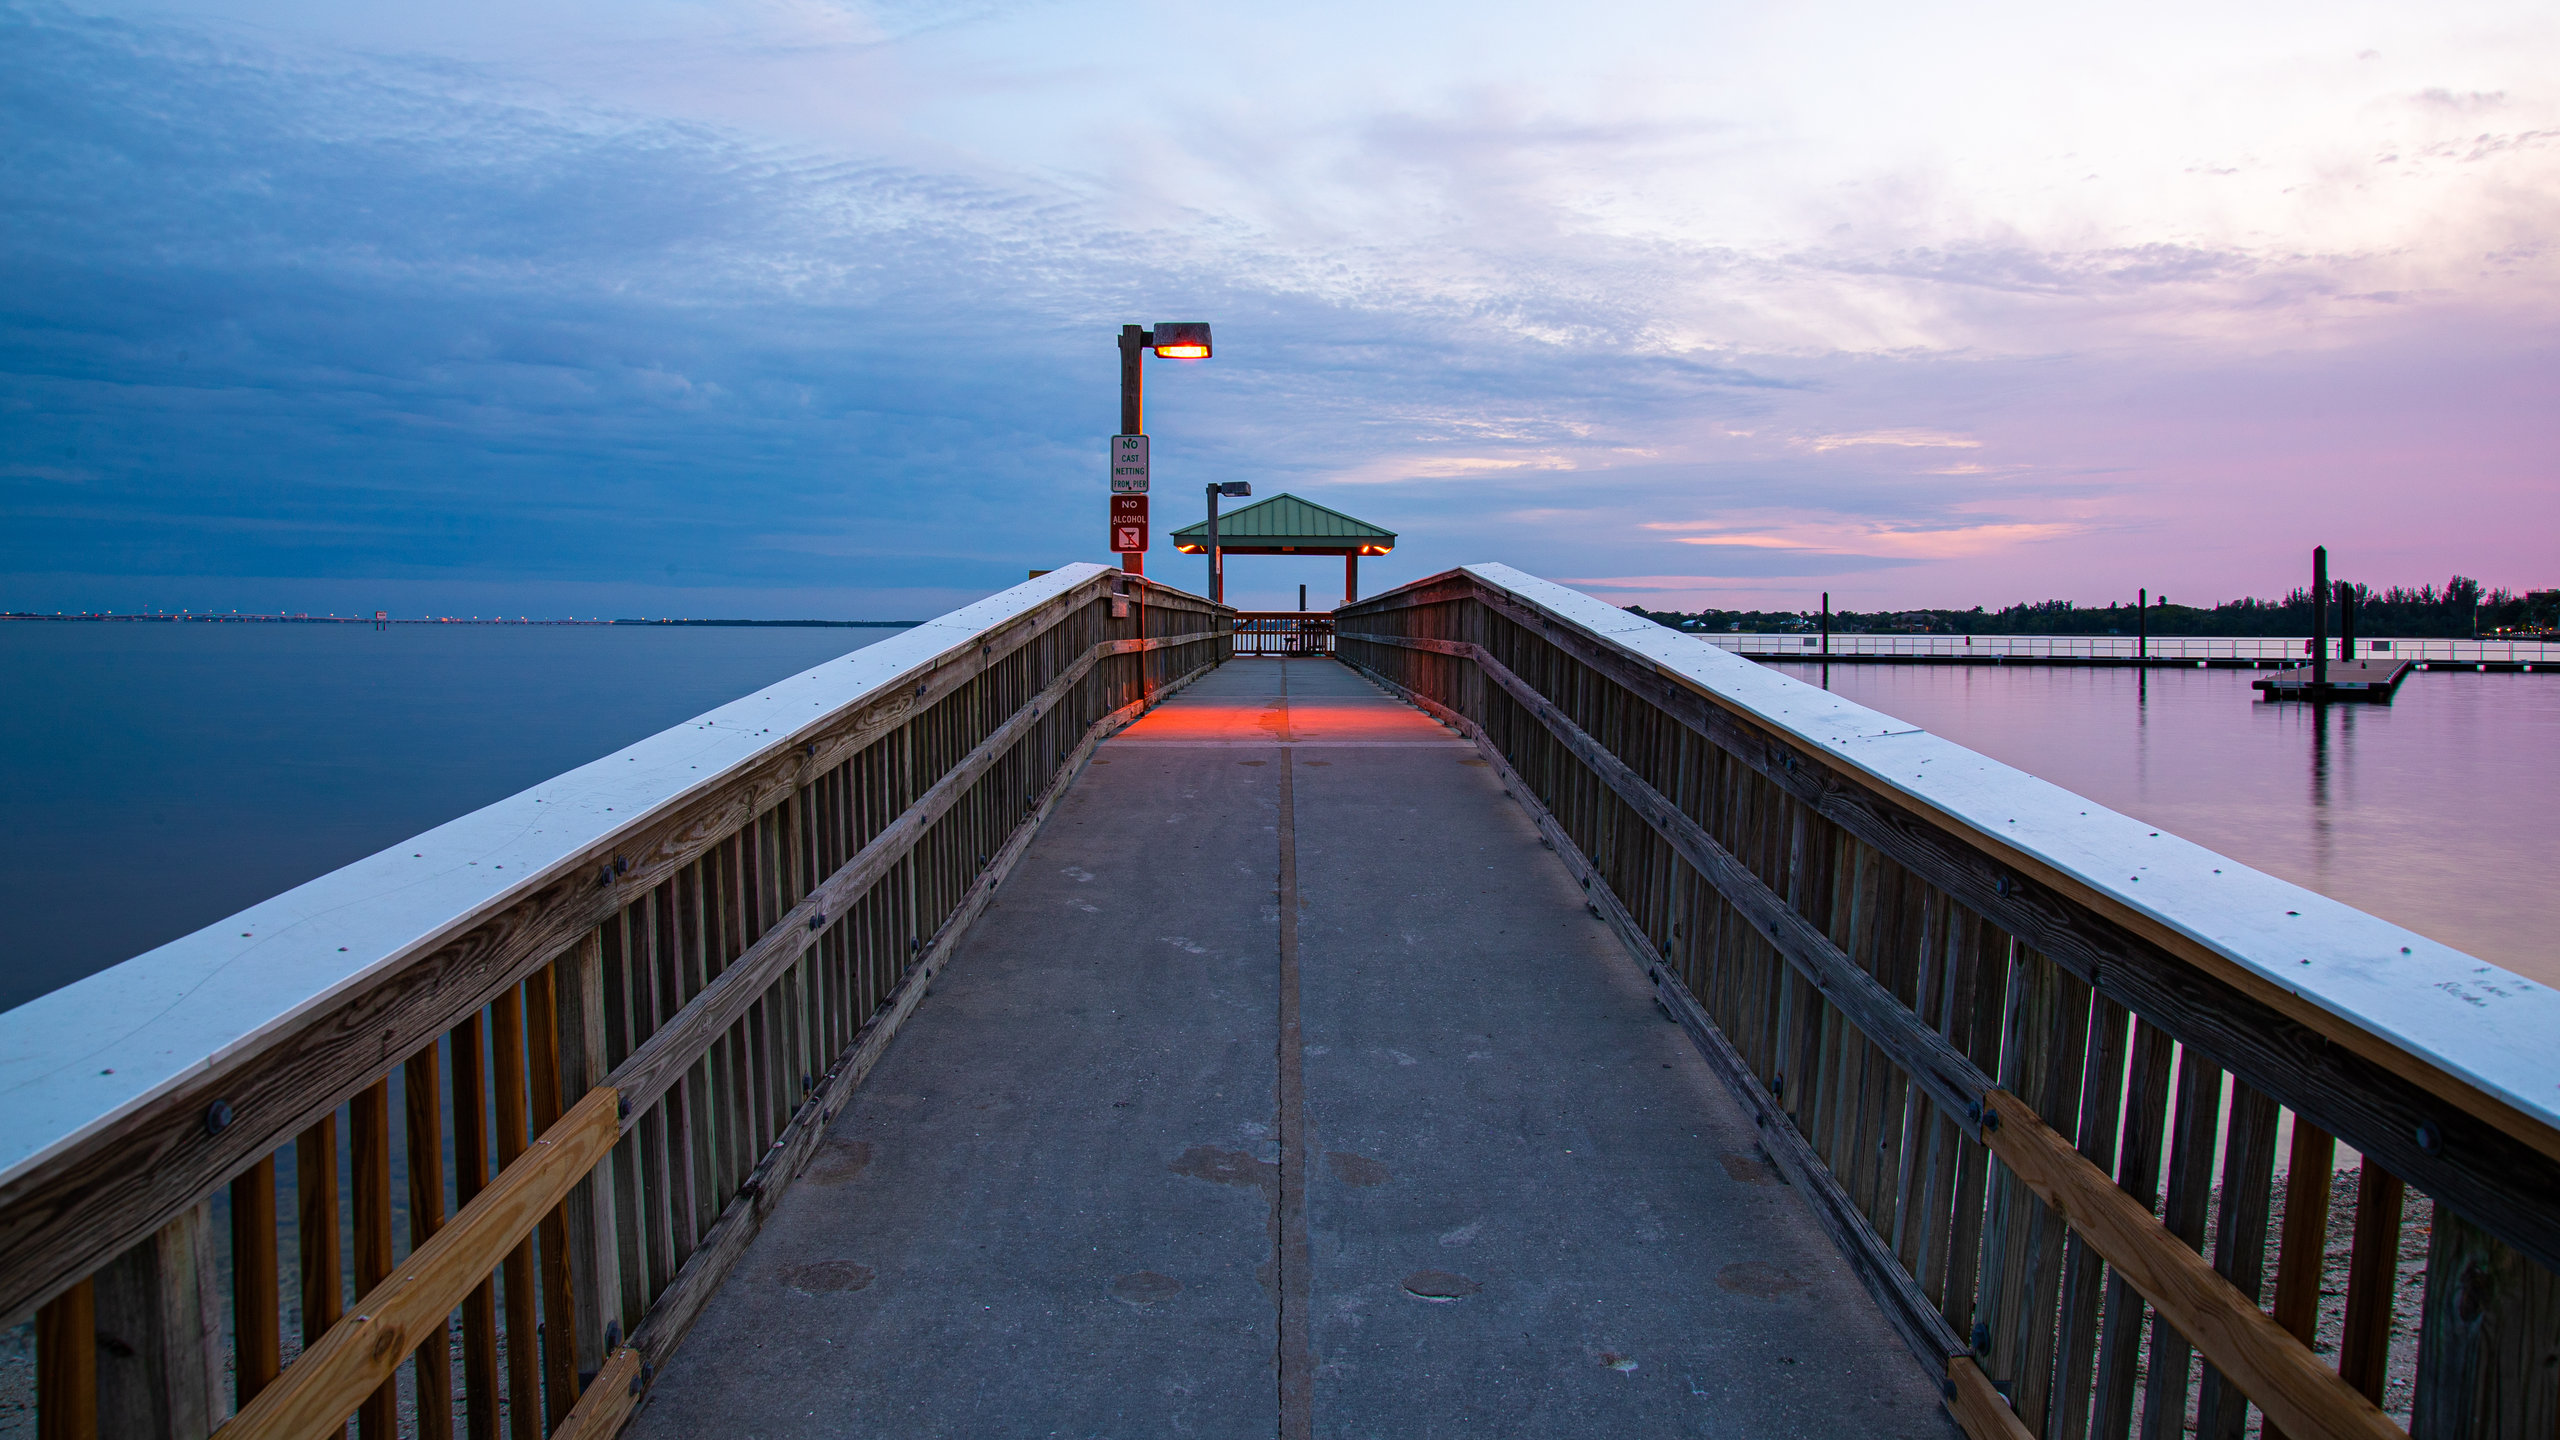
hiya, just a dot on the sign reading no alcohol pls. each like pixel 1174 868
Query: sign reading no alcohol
pixel 1129 524
pixel 1128 464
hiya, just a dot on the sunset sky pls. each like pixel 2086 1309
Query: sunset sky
pixel 806 309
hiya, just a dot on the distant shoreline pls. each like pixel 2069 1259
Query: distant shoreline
pixel 236 619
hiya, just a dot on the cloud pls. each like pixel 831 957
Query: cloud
pixel 1895 439
pixel 806 301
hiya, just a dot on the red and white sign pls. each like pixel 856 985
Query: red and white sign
pixel 1129 524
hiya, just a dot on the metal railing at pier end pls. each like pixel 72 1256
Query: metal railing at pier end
pixel 549 1065
pixel 1284 632
pixel 2031 1062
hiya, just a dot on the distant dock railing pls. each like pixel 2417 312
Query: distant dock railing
pixel 1284 632
pixel 1979 1019
pixel 625 1005
pixel 2213 651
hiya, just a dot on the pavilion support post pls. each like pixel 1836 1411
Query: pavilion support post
pixel 1351 577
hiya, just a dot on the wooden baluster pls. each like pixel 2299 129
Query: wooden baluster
pixel 315 1204
pixel 524 1338
pixel 2303 1248
pixel 2058 1094
pixel 2240 1239
pixel 423 1112
pixel 257 1322
pixel 677 1108
pixel 593 1251
pixel 67 1365
pixel 369 1134
pixel 470 1176
pixel 1983 970
pixel 2194 1135
pixel 559 1313
pixel 2373 1268
pixel 2138 1175
pixel 2084 1274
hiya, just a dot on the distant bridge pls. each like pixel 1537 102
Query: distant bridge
pixel 1526 1020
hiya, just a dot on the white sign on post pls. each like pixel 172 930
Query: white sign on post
pixel 1128 464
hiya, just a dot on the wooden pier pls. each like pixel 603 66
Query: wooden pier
pixel 1528 1020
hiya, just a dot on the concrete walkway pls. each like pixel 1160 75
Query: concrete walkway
pixel 1414 1156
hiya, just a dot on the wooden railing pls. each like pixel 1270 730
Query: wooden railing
pixel 1284 632
pixel 1910 962
pixel 547 1066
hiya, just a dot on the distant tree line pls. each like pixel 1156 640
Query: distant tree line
pixel 2460 608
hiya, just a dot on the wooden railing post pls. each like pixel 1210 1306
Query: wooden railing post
pixel 159 1327
pixel 2489 1348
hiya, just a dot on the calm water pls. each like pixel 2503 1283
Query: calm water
pixel 2437 812
pixel 155 778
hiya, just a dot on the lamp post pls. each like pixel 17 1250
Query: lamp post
pixel 1217 571
pixel 1171 340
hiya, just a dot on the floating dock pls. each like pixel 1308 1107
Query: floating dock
pixel 2372 681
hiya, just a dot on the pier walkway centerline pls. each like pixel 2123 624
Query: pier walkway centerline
pixel 1150 1159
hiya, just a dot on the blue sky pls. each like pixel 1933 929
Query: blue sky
pixel 772 309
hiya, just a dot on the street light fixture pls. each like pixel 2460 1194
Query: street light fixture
pixel 1173 340
pixel 1236 489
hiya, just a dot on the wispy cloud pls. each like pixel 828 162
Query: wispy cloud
pixel 749 296
pixel 1894 439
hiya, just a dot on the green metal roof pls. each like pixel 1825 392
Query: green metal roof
pixel 1285 521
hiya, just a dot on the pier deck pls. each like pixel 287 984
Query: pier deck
pixel 1151 1160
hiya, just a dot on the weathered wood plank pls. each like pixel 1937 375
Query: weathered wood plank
pixel 423 1103
pixel 315 1205
pixel 158 1313
pixel 257 1312
pixel 2240 1238
pixel 559 1334
pixel 67 1365
pixel 516 1299
pixel 1977 1405
pixel 2489 1349
pixel 327 1381
pixel 2302 1250
pixel 369 1134
pixel 594 1248
pixel 2269 1365
pixel 2138 1176
pixel 2194 1132
pixel 470 1176
pixel 2373 1272
pixel 607 1402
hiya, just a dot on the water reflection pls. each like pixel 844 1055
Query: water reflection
pixel 2429 811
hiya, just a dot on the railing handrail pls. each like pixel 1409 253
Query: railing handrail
pixel 84 1066
pixel 2473 1032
